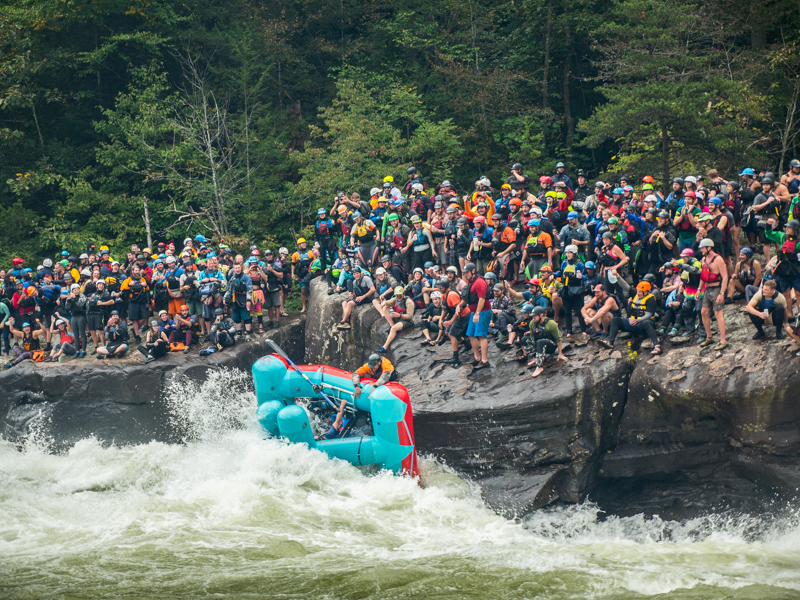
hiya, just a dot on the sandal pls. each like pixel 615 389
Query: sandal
pixel 284 314
pixel 260 328
pixel 656 349
pixel 721 346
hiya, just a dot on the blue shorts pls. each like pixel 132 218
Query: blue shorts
pixel 240 314
pixel 481 328
pixel 786 283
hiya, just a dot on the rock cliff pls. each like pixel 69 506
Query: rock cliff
pixel 611 426
pixel 119 400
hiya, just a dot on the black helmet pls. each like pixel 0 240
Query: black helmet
pixel 581 173
pixel 411 170
pixel 678 180
pixel 72 259
pixel 443 282
pixel 469 267
pixel 462 221
pixel 518 167
pixel 217 312
pixel 652 210
pixel 490 275
pixel 663 215
pixel 608 235
pixel 735 185
pixel 513 223
pixel 538 311
pixel 650 278
pixel 794 163
pixel 623 178
pixel 599 184
pixel 768 179
pixel 794 224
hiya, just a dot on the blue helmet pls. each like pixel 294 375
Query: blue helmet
pixel 590 265
pixel 527 308
pixel 356 214
pixel 747 171
pixel 157 261
pixel 747 252
pixel 572 215
pixel 429 264
pixel 211 255
pixel 534 223
pixel 617 190
pixel 200 238
pixel 321 211
pixel 26 324
pixel 253 260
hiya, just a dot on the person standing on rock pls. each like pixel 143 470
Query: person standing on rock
pixel 714 275
pixel 545 339
pixel 477 300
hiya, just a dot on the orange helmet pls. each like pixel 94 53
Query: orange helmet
pixel 648 179
pixel 643 286
pixel 515 202
pixel 342 209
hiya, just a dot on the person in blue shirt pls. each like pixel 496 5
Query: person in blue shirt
pixel 561 175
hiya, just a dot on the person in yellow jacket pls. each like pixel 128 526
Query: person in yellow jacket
pixel 477 199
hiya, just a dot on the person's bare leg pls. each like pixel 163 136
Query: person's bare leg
pixel 706 315
pixel 721 325
pixel 484 343
pixel 557 304
pixel 475 348
pixel 392 334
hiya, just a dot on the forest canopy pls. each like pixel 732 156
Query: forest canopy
pixel 239 118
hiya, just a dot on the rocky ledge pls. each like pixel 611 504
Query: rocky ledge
pixel 683 430
pixel 118 400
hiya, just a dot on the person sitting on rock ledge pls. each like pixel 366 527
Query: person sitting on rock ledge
pixel 544 340
pixel 116 334
pixel 642 309
pixel 29 346
pixel 156 343
pixel 599 311
pixel 66 341
pixel 223 331
pixel 361 291
pixel 431 321
pixel 767 307
pixel 399 313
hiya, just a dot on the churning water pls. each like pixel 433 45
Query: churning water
pixel 229 514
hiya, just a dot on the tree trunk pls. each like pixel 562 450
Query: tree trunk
pixel 146 218
pixel 665 158
pixel 547 31
pixel 567 75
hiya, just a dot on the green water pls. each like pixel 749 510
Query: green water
pixel 230 515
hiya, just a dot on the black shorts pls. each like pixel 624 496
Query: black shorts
pixel 137 311
pixel 94 321
pixel 459 327
pixel 112 348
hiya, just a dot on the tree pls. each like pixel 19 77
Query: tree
pixel 368 134
pixel 667 106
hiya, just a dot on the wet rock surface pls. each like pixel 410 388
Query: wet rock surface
pixel 673 434
pixel 117 400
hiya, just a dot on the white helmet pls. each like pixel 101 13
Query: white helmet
pixel 485 181
pixel 650 198
pixel 83 256
pixel 690 179
pixel 170 259
pixel 283 250
pixel 417 186
pixel 187 242
pixel 706 243
pixel 380 271
pixel 47 263
pixel 571 248
pixel 374 192
pixel 435 295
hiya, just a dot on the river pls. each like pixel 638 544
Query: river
pixel 231 515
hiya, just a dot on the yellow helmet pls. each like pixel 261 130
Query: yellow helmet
pixel 388 179
pixel 301 241
pixel 103 247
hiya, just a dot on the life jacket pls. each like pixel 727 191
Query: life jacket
pixel 324 227
pixel 400 310
pixel 707 275
pixel 192 294
pixel 540 333
pixel 138 291
pixel 238 291
pixel 365 231
pixel 346 227
pixel 174 286
pixel 638 305
pixel 787 255
pixel 30 343
pixel 472 297
pixel 38 355
pixel 794 186
pixel 535 248
pixel 419 238
pixel 726 233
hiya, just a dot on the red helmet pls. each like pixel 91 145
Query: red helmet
pixel 545 179
pixel 479 219
pixel 689 194
pixel 18 261
pixel 255 252
pixel 648 179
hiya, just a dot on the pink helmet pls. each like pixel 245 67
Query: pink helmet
pixel 479 219
pixel 545 179
pixel 687 252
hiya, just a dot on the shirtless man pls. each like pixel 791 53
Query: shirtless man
pixel 715 275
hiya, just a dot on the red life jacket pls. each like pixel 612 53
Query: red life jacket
pixel 708 276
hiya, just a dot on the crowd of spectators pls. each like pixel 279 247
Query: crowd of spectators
pixel 516 265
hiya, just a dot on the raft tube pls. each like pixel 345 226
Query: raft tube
pixel 278 383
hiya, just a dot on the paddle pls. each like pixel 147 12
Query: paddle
pixel 317 388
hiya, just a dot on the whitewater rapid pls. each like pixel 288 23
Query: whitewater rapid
pixel 232 515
